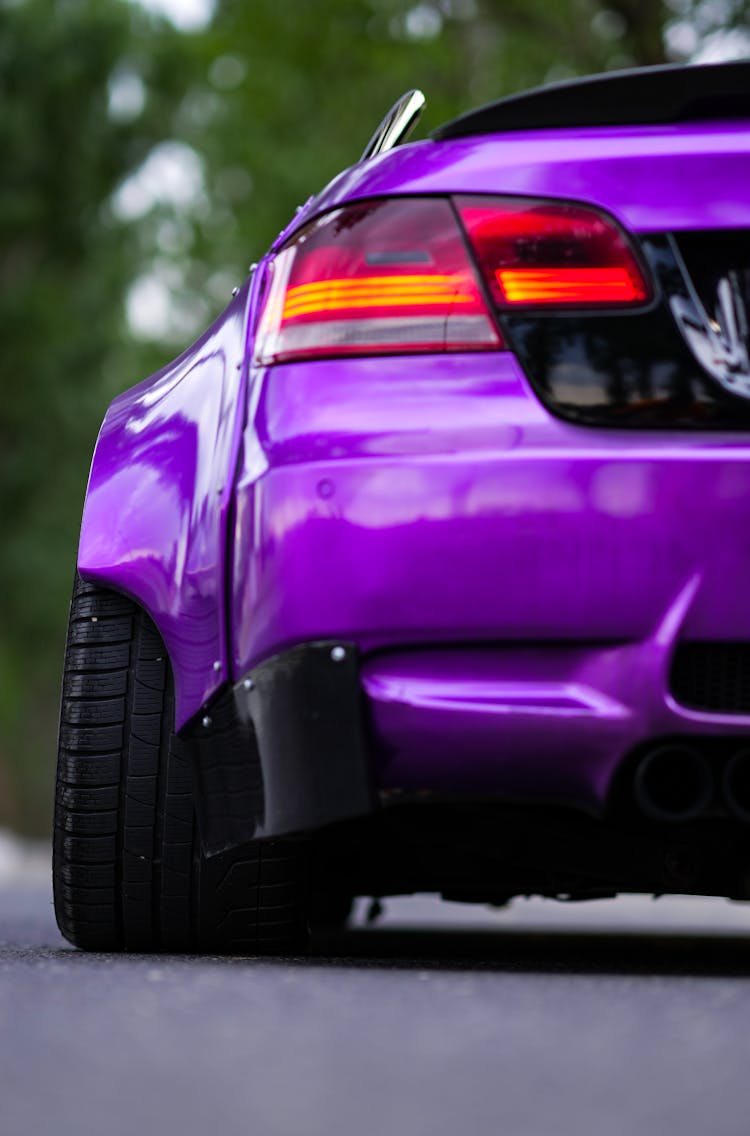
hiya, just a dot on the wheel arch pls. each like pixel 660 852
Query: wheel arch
pixel 155 517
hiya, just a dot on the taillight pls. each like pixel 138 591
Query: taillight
pixel 547 254
pixel 377 277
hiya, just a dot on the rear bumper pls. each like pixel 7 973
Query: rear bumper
pixel 395 503
pixel 514 586
pixel 315 735
pixel 545 724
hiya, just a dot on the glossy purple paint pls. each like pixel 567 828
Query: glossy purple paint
pixel 515 583
pixel 154 522
pixel 651 178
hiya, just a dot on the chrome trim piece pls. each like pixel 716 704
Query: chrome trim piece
pixel 718 342
pixel 397 124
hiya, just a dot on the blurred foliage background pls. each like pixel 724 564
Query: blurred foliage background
pixel 149 153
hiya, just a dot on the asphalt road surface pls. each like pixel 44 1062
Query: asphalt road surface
pixel 619 1018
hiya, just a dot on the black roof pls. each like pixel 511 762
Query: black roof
pixel 643 96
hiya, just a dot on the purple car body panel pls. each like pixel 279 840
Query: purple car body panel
pixel 155 519
pixel 515 583
pixel 653 179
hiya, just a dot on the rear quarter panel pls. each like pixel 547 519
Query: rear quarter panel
pixel 155 516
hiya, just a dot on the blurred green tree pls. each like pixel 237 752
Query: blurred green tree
pixel 65 263
pixel 282 96
pixel 144 167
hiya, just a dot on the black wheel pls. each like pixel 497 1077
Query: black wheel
pixel 128 870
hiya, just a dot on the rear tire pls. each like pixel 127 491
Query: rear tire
pixel 128 869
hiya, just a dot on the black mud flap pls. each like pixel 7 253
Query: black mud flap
pixel 283 751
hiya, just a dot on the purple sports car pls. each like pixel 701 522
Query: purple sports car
pixel 427 567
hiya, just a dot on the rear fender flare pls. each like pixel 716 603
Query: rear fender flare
pixel 155 517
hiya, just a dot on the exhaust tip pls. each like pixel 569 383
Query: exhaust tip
pixel 673 783
pixel 736 784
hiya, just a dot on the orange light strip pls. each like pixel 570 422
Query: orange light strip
pixel 568 285
pixel 378 291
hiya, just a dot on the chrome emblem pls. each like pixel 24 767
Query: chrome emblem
pixel 719 341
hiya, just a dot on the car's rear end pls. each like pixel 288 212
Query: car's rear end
pixel 425 567
pixel 498 454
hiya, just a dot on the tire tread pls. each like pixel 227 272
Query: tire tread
pixel 128 871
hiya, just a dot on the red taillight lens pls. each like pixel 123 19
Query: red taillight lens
pixel 379 277
pixel 543 254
